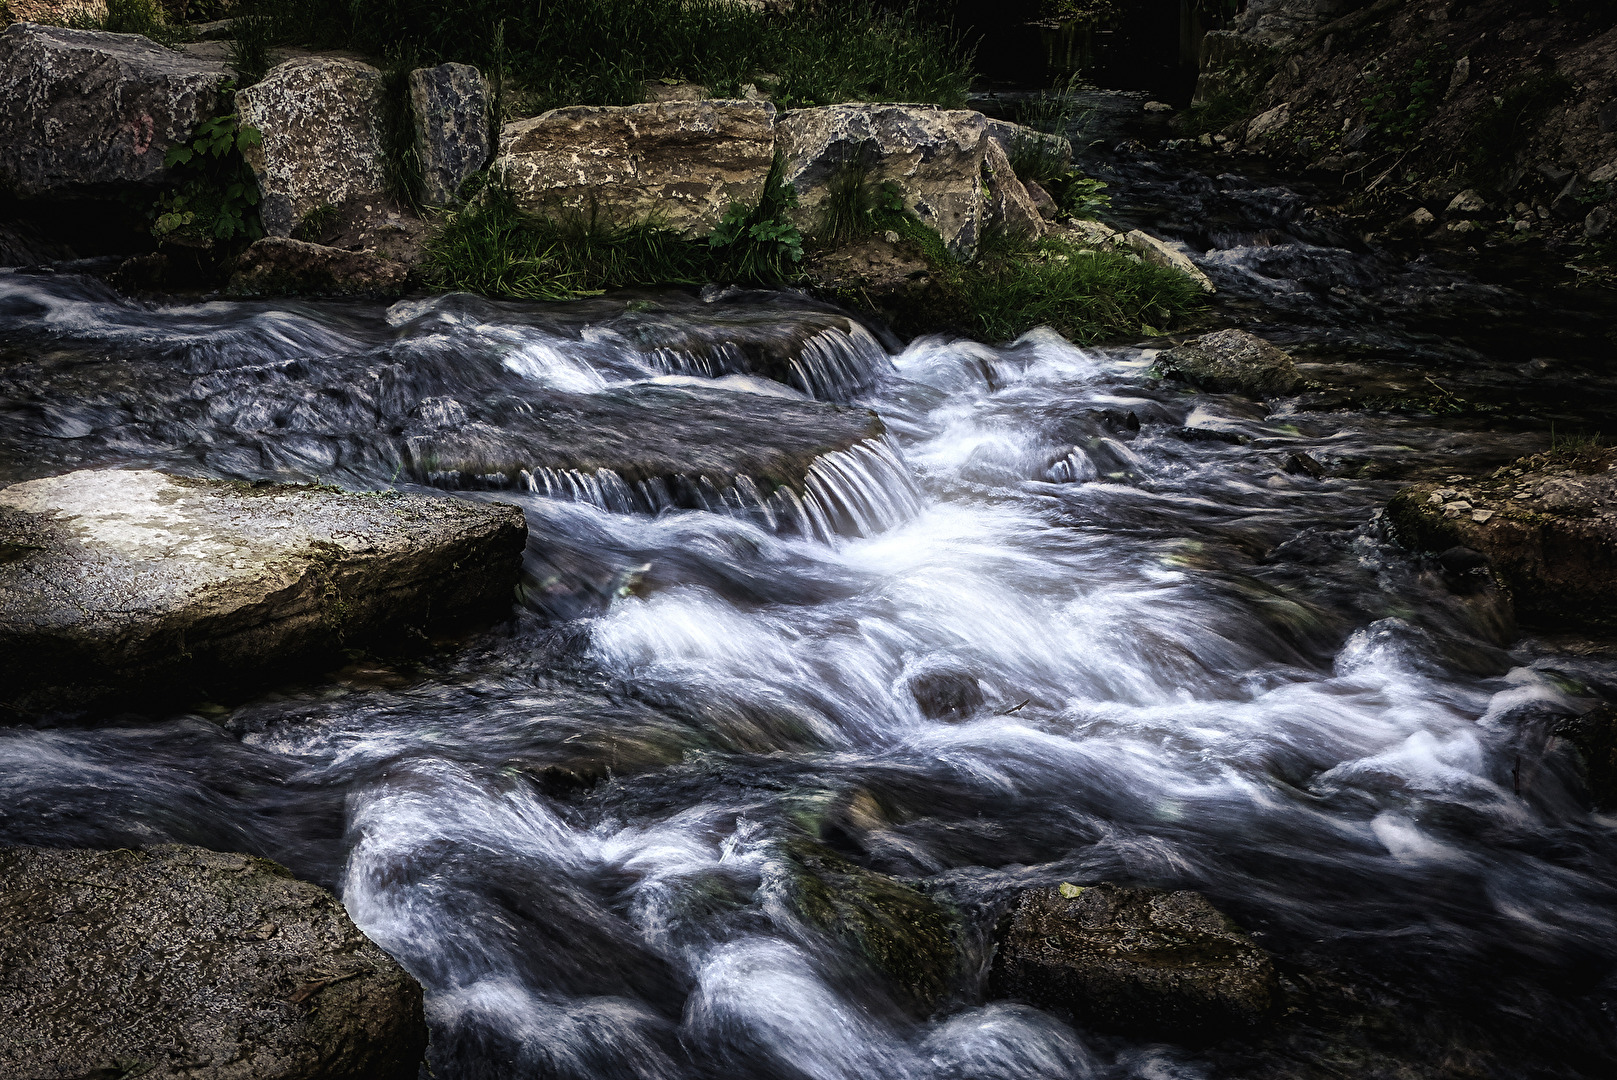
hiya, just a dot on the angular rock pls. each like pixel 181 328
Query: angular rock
pixel 933 155
pixel 452 107
pixel 118 582
pixel 1547 524
pixel 1233 362
pixel 1159 252
pixel 1041 199
pixel 321 119
pixel 1010 207
pixel 278 266
pixel 1019 137
pixel 82 110
pixel 1142 961
pixel 681 162
pixel 1597 223
pixel 1466 202
pixel 179 961
pixel 1265 124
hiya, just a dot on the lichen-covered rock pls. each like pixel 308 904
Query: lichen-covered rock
pixel 1233 362
pixel 83 111
pixel 1010 207
pixel 278 266
pixel 1143 961
pixel 679 162
pixel 451 106
pixel 118 581
pixel 1547 525
pixel 1014 138
pixel 182 962
pixel 934 156
pixel 321 121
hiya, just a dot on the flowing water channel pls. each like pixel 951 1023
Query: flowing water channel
pixel 1063 622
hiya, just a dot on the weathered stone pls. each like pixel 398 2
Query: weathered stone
pixel 1010 207
pixel 81 110
pixel 1466 202
pixel 1266 124
pixel 321 119
pixel 1597 222
pixel 1095 234
pixel 178 961
pixel 277 266
pixel 934 156
pixel 1142 961
pixel 1159 252
pixel 115 582
pixel 1233 362
pixel 1014 138
pixel 1229 62
pixel 1041 199
pixel 452 106
pixel 1547 524
pixel 680 162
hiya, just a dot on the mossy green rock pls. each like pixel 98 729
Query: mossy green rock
pixel 182 962
pixel 1143 961
pixel 902 933
pixel 1233 362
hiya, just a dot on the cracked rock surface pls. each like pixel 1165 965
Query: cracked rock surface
pixel 121 580
pixel 177 961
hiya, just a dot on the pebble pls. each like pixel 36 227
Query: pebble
pixel 1481 516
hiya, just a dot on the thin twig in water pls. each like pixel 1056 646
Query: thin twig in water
pixel 1017 707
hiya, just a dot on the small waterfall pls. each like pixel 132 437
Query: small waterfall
pixel 860 491
pixel 837 365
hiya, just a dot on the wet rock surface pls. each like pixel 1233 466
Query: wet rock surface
pixel 933 155
pixel 1144 961
pixel 452 108
pixel 177 961
pixel 681 162
pixel 1547 526
pixel 280 266
pixel 1233 362
pixel 117 581
pixel 83 111
pixel 1010 207
pixel 321 121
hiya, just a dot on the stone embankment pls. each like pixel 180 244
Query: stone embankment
pixel 92 113
pixel 117 582
pixel 176 961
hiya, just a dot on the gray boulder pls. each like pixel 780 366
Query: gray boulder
pixel 452 108
pixel 115 582
pixel 1010 207
pixel 1233 362
pixel 1013 138
pixel 679 162
pixel 933 155
pixel 1143 961
pixel 82 110
pixel 182 962
pixel 321 119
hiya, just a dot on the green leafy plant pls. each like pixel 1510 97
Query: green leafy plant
pixel 217 197
pixel 759 244
pixel 317 223
pixel 1397 109
pixel 1080 195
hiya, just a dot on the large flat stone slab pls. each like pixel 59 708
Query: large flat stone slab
pixel 182 962
pixel 121 583
pixel 680 162
pixel 82 111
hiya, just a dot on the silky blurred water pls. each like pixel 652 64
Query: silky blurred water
pixel 1097 631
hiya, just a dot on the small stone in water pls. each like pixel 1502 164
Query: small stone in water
pixel 1071 891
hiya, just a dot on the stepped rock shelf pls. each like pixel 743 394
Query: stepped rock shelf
pixel 178 961
pixel 116 581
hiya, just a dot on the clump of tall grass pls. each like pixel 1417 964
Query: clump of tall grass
pixel 564 52
pixel 144 17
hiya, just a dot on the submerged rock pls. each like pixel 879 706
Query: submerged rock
pixel 682 163
pixel 279 266
pixel 117 582
pixel 321 121
pixel 934 156
pixel 179 961
pixel 1143 961
pixel 452 109
pixel 1594 734
pixel 1233 362
pixel 903 934
pixel 1547 525
pixel 81 110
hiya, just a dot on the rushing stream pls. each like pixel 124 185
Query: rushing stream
pixel 1064 623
